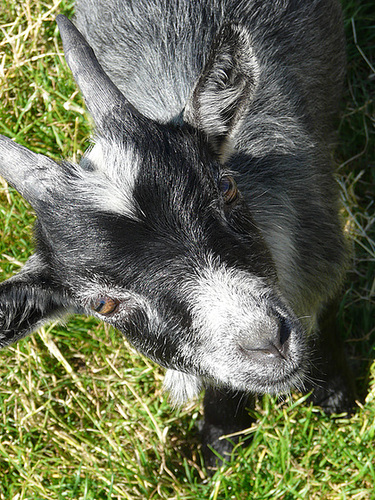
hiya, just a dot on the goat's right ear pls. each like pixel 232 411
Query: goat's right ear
pixel 225 89
pixel 27 301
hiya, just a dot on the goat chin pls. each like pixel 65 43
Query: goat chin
pixel 182 387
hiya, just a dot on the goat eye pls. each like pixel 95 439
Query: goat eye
pixel 228 188
pixel 105 305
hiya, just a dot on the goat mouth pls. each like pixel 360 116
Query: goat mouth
pixel 284 384
pixel 274 385
pixel 272 370
pixel 278 376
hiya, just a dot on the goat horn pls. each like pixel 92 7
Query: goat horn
pixel 102 97
pixel 31 174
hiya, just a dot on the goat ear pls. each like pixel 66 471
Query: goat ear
pixel 27 301
pixel 33 175
pixel 225 88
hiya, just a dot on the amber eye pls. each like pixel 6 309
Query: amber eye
pixel 105 305
pixel 228 188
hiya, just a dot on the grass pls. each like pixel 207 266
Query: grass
pixel 82 416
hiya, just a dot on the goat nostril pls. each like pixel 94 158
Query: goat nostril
pixel 284 331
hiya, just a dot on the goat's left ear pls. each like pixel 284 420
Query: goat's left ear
pixel 27 301
pixel 226 87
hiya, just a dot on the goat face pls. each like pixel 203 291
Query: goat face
pixel 151 234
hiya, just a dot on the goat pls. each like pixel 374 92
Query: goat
pixel 203 221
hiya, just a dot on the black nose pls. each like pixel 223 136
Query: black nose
pixel 268 337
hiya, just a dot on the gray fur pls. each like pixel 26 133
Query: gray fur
pixel 225 287
pixel 299 49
